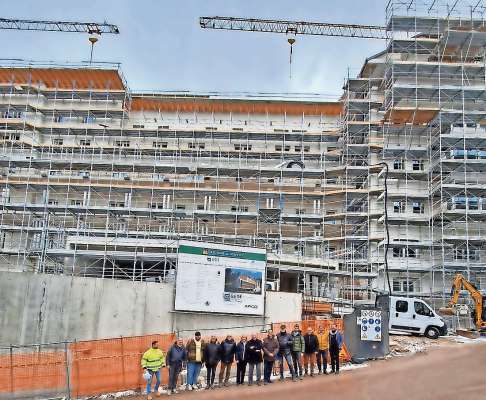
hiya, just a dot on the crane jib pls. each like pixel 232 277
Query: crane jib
pixel 294 27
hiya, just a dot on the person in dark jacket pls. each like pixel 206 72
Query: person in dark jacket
pixel 211 358
pixel 241 361
pixel 335 346
pixel 227 350
pixel 270 352
pixel 285 352
pixel 254 357
pixel 310 351
pixel 176 356
pixel 298 347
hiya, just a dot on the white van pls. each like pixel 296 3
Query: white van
pixel 409 314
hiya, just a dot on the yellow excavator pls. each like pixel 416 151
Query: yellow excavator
pixel 479 313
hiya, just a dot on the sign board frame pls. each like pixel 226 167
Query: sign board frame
pixel 223 279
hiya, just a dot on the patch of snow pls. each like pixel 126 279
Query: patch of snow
pixel 466 340
pixel 116 395
pixel 349 367
pixel 398 333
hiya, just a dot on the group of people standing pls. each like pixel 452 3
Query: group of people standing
pixel 300 351
pixel 246 353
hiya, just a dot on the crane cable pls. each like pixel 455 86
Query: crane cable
pixel 291 42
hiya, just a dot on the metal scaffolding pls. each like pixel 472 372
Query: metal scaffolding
pixel 99 181
pixel 419 106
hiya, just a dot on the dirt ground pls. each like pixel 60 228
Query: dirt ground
pixel 417 368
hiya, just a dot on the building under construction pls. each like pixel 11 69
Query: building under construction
pixel 98 180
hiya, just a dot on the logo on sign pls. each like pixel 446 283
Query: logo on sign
pixel 232 297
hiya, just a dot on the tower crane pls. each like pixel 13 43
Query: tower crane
pixel 293 28
pixel 94 29
pixel 58 26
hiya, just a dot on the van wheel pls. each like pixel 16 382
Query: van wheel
pixel 432 332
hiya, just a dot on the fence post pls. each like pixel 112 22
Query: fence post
pixel 11 370
pixel 68 370
pixel 123 364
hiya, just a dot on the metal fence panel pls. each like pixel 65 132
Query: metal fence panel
pixel 36 371
pixel 111 365
pixel 77 369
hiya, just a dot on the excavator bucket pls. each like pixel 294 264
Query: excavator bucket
pixel 446 311
pixel 470 334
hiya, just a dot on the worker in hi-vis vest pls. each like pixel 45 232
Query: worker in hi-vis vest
pixel 152 362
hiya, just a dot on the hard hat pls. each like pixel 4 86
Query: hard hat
pixel 147 375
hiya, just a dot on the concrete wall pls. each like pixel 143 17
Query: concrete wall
pixel 279 307
pixel 38 308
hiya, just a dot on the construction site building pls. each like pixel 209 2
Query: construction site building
pixel 419 106
pixel 100 181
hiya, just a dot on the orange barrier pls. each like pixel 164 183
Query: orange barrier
pixel 313 323
pixel 95 367
pixel 112 365
pixel 316 307
pixel 33 371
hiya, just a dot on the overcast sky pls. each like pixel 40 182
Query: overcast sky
pixel 162 47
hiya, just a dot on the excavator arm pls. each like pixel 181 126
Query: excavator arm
pixel 456 290
pixel 460 283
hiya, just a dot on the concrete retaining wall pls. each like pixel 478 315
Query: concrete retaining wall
pixel 38 308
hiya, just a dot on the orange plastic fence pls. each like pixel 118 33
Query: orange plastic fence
pixel 313 323
pixel 98 366
pixel 33 371
pixel 105 366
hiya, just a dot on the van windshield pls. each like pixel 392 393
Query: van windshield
pixel 422 309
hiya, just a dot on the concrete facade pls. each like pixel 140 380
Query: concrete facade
pixel 41 308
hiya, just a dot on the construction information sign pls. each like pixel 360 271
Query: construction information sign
pixel 219 278
pixel 370 322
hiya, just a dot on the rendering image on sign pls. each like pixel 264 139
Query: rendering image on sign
pixel 242 281
pixel 220 278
